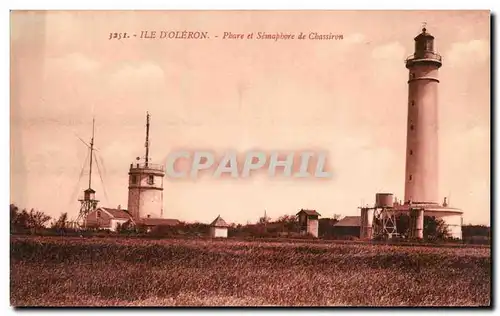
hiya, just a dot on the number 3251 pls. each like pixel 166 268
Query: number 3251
pixel 117 36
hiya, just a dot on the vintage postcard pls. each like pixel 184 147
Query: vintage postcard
pixel 250 158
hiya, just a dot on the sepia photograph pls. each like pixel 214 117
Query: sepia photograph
pixel 250 158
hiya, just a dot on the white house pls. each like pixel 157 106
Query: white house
pixel 107 218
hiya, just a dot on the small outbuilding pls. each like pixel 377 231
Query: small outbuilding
pixel 218 228
pixel 348 226
pixel 308 222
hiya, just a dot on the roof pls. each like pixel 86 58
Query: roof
pixel 309 212
pixel 158 221
pixel 424 33
pixel 219 222
pixel 349 221
pixel 116 213
pixel 429 208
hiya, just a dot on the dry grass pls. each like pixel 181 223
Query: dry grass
pixel 50 271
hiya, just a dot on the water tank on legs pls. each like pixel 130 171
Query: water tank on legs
pixel 383 200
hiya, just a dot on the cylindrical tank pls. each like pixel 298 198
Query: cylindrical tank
pixel 366 223
pixel 417 223
pixel 384 200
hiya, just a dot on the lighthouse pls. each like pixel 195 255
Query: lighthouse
pixel 145 190
pixel 421 177
pixel 421 174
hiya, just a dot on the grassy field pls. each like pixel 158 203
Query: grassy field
pixel 56 271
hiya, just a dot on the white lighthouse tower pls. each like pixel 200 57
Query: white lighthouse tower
pixel 145 191
pixel 421 176
pixel 421 184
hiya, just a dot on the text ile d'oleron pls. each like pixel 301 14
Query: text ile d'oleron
pixel 203 35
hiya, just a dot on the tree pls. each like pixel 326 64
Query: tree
pixel 62 222
pixel 403 224
pixel 13 211
pixel 21 221
pixel 264 219
pixel 126 228
pixel 37 220
pixel 18 219
pixel 287 218
pixel 435 228
pixel 475 230
pixel 14 218
pixel 290 222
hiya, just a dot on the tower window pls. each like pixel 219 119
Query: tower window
pixel 411 152
pixel 429 46
pixel 151 180
pixel 411 177
pixel 134 179
pixel 412 103
pixel 411 127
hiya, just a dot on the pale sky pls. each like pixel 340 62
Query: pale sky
pixel 348 98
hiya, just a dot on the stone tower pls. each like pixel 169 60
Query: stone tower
pixel 145 189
